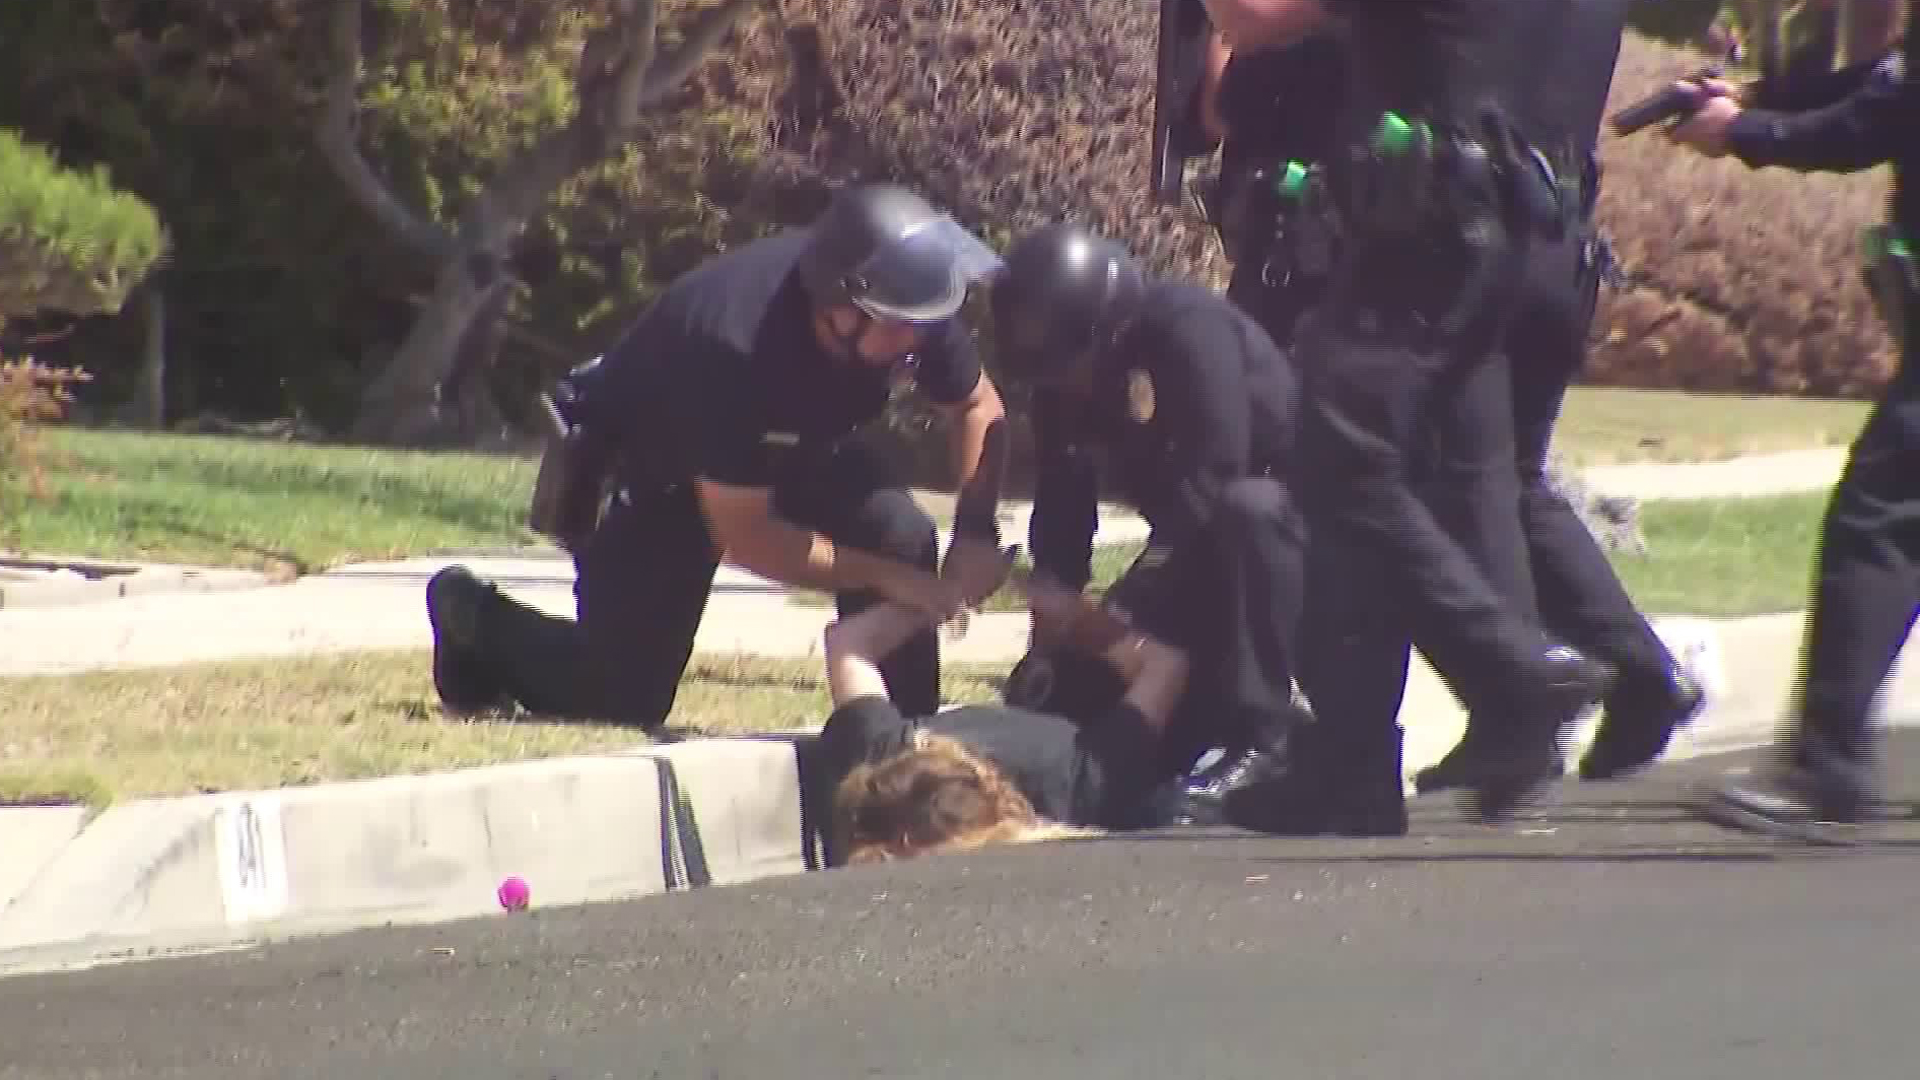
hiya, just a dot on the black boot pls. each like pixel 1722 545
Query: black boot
pixel 456 607
pixel 1453 770
pixel 1339 785
pixel 1366 796
pixel 1638 725
pixel 1507 769
pixel 1810 793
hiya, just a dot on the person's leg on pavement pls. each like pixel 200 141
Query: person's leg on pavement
pixel 641 586
pixel 1581 598
pixel 1354 654
pixel 1470 484
pixel 1375 388
pixel 1866 590
pixel 851 495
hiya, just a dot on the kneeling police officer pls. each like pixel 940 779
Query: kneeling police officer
pixel 1179 400
pixel 722 426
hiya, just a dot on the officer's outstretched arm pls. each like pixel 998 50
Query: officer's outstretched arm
pixel 1066 497
pixel 977 472
pixel 751 535
pixel 1858 132
pixel 1261 23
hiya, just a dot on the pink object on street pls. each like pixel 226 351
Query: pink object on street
pixel 514 894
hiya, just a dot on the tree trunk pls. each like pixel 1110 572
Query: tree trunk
pixel 468 392
pixel 401 403
pixel 620 71
pixel 150 397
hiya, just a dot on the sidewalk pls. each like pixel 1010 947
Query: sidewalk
pixel 380 606
pixel 1760 474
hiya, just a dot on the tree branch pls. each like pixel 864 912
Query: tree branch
pixel 663 74
pixel 339 143
pixel 619 109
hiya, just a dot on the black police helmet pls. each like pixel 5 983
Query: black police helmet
pixel 1063 290
pixel 888 252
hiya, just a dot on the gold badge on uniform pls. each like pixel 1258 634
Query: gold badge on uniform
pixel 1140 396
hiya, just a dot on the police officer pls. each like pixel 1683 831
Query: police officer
pixel 1867 585
pixel 1578 594
pixel 1269 107
pixel 725 419
pixel 1184 405
pixel 1438 195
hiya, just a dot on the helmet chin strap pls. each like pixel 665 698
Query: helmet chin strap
pixel 1117 312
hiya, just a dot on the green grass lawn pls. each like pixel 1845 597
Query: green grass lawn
pixel 256 502
pixel 240 501
pixel 1714 558
pixel 1605 426
pixel 247 724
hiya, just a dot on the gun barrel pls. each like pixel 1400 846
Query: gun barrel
pixel 1674 101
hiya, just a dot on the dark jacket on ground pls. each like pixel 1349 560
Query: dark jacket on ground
pixel 1093 774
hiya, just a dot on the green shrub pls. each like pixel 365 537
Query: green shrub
pixel 68 240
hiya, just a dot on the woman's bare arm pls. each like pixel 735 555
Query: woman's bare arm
pixel 856 645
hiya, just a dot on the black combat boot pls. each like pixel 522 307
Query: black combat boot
pixel 457 604
pixel 1810 792
pixel 1451 771
pixel 1639 723
pixel 1341 784
pixel 1527 750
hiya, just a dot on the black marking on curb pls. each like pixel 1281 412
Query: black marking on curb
pixel 683 858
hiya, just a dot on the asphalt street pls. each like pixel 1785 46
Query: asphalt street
pixel 1607 936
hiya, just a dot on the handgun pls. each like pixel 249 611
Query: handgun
pixel 1673 101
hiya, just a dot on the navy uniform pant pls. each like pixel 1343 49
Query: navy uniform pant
pixel 643 578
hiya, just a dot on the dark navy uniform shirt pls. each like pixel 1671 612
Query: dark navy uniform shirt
pixel 1446 60
pixel 1192 396
pixel 1856 118
pixel 722 377
pixel 1276 102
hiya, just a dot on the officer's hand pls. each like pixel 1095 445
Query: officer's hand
pixel 976 568
pixel 1706 130
pixel 1064 618
pixel 935 598
pixel 1053 607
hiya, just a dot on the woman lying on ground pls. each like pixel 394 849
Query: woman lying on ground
pixel 983 774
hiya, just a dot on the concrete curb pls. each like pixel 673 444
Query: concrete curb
pixel 205 872
pixel 55 580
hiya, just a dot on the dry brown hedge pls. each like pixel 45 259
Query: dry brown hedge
pixel 1016 113
pixel 1742 279
pixel 1011 114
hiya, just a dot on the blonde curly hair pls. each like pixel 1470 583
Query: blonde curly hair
pixel 934 796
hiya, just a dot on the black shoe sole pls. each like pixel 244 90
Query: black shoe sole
pixel 1447 775
pixel 1732 814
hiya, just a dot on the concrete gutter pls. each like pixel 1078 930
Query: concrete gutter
pixel 205 872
